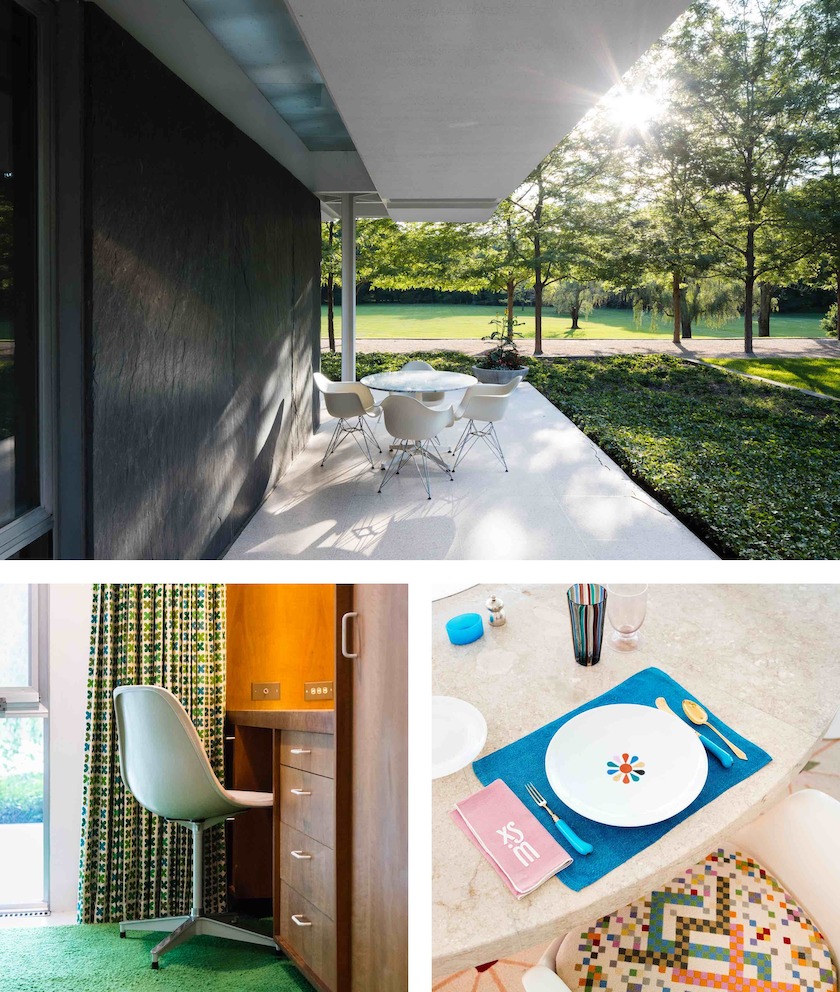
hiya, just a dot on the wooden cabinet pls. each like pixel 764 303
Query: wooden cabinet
pixel 337 838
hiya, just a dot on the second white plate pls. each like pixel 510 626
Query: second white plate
pixel 626 765
pixel 459 732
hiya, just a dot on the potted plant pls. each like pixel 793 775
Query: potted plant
pixel 502 362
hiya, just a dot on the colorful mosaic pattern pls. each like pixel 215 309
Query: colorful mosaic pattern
pixel 625 769
pixel 724 924
pixel 133 864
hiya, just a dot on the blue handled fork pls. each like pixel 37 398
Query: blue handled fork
pixel 577 843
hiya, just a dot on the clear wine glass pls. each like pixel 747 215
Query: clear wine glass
pixel 626 607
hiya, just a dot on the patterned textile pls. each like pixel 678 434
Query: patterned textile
pixel 133 864
pixel 724 924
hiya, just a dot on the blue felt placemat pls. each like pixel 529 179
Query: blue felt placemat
pixel 524 761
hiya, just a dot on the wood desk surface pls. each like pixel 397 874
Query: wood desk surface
pixel 310 721
pixel 765 658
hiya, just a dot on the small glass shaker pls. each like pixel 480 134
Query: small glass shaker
pixel 497 612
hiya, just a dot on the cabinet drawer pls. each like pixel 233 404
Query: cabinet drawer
pixel 309 752
pixel 308 867
pixel 307 803
pixel 309 934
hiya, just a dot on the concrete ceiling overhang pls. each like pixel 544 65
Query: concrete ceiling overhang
pixel 459 101
pixel 431 111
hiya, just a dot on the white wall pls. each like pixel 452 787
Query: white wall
pixel 69 646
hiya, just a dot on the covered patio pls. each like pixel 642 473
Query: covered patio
pixel 562 498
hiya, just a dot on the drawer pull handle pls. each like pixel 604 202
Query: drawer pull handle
pixel 300 792
pixel 301 921
pixel 345 641
pixel 301 750
pixel 301 855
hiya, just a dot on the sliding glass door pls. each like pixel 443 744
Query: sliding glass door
pixel 23 720
pixel 25 498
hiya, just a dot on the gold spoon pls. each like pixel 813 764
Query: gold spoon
pixel 696 713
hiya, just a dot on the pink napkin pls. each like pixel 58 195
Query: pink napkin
pixel 512 839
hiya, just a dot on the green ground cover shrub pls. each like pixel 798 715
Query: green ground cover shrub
pixel 22 798
pixel 752 469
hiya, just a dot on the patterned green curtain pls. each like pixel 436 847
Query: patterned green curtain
pixel 133 864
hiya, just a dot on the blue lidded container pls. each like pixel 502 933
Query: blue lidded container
pixel 465 629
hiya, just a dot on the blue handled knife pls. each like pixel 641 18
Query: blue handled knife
pixel 724 757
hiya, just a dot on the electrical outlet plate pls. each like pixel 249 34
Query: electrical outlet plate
pixel 265 690
pixel 314 691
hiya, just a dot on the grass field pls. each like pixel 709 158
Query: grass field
pixel 822 375
pixel 750 468
pixel 434 321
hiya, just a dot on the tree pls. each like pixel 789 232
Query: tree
pixel 330 273
pixel 815 209
pixel 577 299
pixel 550 202
pixel 752 119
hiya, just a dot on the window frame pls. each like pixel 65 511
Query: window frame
pixel 39 615
pixel 27 700
pixel 16 535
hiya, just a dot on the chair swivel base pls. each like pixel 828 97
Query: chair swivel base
pixel 182 928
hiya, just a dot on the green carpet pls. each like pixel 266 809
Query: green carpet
pixel 93 959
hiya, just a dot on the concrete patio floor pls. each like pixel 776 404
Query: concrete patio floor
pixel 563 499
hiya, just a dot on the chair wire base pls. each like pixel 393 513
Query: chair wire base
pixel 470 435
pixel 421 453
pixel 353 428
pixel 183 928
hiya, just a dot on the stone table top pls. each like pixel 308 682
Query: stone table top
pixel 418 381
pixel 763 657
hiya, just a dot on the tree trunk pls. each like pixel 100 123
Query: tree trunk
pixel 331 293
pixel 685 315
pixel 509 312
pixel 538 293
pixel 749 290
pixel 331 310
pixel 575 312
pixel 764 310
pixel 676 300
pixel 837 297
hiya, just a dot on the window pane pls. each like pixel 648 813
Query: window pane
pixel 22 811
pixel 19 486
pixel 14 636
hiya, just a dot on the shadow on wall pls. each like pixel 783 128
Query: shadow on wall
pixel 204 310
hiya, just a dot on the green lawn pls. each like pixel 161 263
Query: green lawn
pixel 438 321
pixel 751 469
pixel 822 375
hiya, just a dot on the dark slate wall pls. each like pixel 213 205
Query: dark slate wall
pixel 204 310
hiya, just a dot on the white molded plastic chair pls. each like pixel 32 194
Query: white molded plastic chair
pixel 414 428
pixel 165 767
pixel 797 842
pixel 351 403
pixel 432 395
pixel 483 404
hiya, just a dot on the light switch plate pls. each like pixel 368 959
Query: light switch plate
pixel 313 691
pixel 265 690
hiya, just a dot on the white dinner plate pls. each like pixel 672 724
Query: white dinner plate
pixel 458 734
pixel 626 765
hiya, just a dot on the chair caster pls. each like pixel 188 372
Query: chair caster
pixel 156 965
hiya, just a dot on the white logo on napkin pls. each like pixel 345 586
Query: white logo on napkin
pixel 514 840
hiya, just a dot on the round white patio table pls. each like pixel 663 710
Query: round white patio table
pixel 418 381
pixel 762 657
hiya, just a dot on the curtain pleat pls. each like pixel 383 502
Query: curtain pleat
pixel 133 864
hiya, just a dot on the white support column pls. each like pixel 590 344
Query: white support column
pixel 348 287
